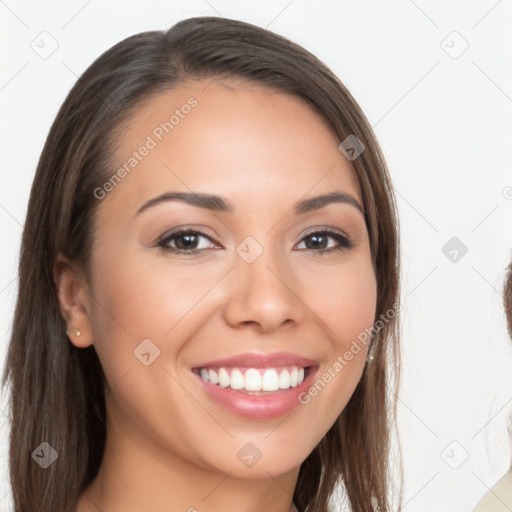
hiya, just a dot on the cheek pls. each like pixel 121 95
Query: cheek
pixel 134 300
pixel 344 298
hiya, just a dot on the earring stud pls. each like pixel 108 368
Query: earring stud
pixel 76 333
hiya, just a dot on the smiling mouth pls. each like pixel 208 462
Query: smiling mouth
pixel 254 381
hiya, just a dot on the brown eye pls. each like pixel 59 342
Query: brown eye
pixel 185 241
pixel 319 241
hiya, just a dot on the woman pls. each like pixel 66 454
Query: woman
pixel 208 288
pixel 499 498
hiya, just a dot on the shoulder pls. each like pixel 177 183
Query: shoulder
pixel 499 498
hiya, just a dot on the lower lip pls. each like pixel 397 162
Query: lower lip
pixel 258 407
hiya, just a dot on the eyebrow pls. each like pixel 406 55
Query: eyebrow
pixel 221 204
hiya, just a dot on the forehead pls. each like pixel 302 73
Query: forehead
pixel 241 140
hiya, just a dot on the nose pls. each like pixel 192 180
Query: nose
pixel 264 294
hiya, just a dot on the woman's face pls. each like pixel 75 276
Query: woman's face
pixel 263 293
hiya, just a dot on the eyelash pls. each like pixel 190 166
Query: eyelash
pixel 344 242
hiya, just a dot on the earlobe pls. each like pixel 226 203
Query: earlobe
pixel 76 337
pixel 73 297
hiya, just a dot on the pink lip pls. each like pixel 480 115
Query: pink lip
pixel 253 360
pixel 259 407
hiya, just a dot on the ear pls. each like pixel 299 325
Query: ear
pixel 73 296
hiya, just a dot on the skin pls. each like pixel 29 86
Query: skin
pixel 169 447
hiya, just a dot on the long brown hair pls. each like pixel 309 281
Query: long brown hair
pixel 57 390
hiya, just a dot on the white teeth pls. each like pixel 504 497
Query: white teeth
pixel 252 380
pixel 293 377
pixel 237 379
pixel 270 379
pixel 223 378
pixel 214 378
pixel 284 379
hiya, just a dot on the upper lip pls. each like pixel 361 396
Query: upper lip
pixel 255 360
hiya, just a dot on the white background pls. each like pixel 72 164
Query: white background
pixel 445 127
